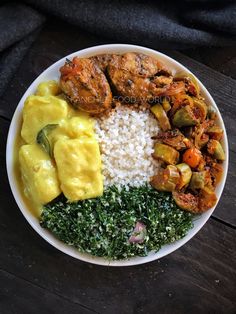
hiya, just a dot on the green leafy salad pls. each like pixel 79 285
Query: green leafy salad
pixel 122 223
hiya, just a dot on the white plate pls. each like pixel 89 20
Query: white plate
pixel 53 73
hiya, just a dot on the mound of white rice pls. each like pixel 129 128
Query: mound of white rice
pixel 126 146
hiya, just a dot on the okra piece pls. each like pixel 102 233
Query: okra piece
pixel 215 132
pixel 191 78
pixel 214 148
pixel 166 179
pixel 200 109
pixel 185 174
pixel 186 201
pixel 207 199
pixel 161 116
pixel 184 117
pixel 197 181
pixel 166 153
pixel 166 105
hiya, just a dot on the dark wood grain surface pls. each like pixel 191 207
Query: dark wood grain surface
pixel 199 278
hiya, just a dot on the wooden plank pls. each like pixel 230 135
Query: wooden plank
pixel 220 59
pixel 20 296
pixel 225 209
pixel 199 277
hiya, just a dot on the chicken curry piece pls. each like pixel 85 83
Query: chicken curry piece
pixel 85 85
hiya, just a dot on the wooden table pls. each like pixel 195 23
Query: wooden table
pixel 198 278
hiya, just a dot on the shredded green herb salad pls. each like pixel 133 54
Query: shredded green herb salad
pixel 124 222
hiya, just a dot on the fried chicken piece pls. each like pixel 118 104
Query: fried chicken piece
pixel 85 85
pixel 103 60
pixel 138 77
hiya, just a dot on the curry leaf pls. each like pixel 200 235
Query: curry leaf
pixel 42 138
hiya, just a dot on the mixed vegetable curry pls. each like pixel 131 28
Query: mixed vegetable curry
pixel 189 148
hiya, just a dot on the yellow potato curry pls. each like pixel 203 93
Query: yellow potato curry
pixel 60 153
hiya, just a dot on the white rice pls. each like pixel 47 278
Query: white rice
pixel 126 146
